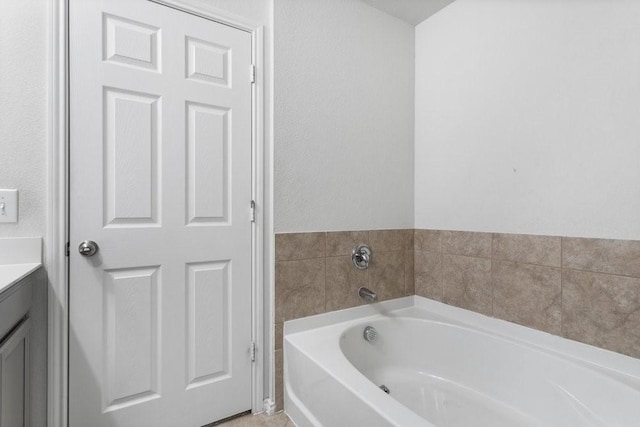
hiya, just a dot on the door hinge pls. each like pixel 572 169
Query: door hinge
pixel 253 349
pixel 253 73
pixel 66 249
pixel 253 211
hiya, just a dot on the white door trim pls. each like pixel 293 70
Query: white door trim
pixel 56 260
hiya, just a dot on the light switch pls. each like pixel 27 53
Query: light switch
pixel 8 205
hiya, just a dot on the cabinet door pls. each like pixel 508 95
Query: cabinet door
pixel 14 378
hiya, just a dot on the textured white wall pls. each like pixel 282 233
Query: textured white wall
pixel 24 46
pixel 257 11
pixel 528 118
pixel 23 111
pixel 343 118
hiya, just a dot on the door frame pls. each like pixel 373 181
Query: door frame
pixel 57 237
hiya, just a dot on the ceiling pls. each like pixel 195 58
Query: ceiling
pixel 411 11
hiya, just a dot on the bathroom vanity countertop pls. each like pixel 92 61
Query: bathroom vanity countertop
pixel 10 274
pixel 19 257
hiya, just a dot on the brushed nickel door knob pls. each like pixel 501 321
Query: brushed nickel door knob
pixel 88 248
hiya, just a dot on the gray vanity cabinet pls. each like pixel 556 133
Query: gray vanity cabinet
pixel 14 377
pixel 15 353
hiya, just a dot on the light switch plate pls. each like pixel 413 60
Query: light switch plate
pixel 8 205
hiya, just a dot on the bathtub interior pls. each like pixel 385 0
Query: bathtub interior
pixel 449 367
pixel 462 376
pixel 322 388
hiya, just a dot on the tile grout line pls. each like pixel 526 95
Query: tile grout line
pixel 526 263
pixel 439 273
pixel 325 284
pixel 324 274
pixel 492 290
pixel 497 259
pixel 326 242
pixel 300 259
pixel 493 240
pixel 600 272
pixel 562 287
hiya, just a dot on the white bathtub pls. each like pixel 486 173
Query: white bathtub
pixel 446 366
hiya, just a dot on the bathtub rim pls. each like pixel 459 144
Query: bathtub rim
pixel 624 368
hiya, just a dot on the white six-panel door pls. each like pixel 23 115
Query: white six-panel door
pixel 160 178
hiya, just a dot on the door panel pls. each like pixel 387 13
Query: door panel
pixel 130 158
pixel 207 164
pixel 131 341
pixel 160 178
pixel 208 358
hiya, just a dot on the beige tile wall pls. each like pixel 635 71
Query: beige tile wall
pixel 587 290
pixel 314 274
pixel 583 289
